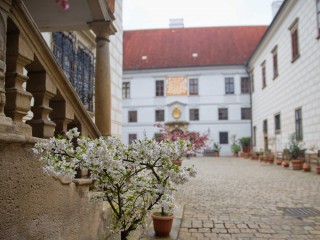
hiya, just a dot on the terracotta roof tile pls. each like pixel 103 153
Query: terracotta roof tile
pixel 170 48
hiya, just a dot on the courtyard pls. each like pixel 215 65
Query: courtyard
pixel 236 198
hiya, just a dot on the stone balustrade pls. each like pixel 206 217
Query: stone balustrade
pixel 29 62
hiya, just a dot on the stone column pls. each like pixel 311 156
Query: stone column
pixel 103 29
pixel 4 11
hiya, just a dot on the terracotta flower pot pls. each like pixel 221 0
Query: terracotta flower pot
pixel 296 164
pixel 278 161
pixel 306 167
pixel 318 169
pixel 270 160
pixel 216 154
pixel 285 163
pixel 162 225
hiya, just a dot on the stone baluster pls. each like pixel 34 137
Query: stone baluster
pixel 62 115
pixel 17 99
pixel 42 89
pixel 103 93
pixel 4 11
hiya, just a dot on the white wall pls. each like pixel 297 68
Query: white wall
pixel 116 71
pixel 298 83
pixel 211 96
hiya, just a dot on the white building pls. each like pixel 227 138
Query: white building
pixel 188 78
pixel 285 69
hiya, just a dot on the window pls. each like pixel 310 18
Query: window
pixel 318 16
pixel 294 40
pixel 64 51
pixel 298 119
pixel 194 114
pixel 132 116
pixel 254 136
pixel 229 85
pixel 132 137
pixel 223 137
pixel 83 82
pixel 275 62
pixel 159 115
pixel 265 127
pixel 245 113
pixel 125 90
pixel 263 71
pixel 277 124
pixel 245 85
pixel 77 64
pixel 193 86
pixel 159 88
pixel 223 113
pixel 252 80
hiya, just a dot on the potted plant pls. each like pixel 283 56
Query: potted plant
pixel 216 149
pixel 307 164
pixel 296 151
pixel 132 179
pixel 245 145
pixel 195 139
pixel 235 148
pixel 270 157
pixel 162 223
pixel 286 160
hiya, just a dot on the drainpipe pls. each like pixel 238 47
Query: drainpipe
pixel 246 64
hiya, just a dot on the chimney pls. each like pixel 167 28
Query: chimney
pixel 176 23
pixel 275 7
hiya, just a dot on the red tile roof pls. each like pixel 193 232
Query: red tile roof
pixel 171 48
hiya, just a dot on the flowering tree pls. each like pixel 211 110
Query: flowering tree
pixel 133 179
pixel 196 139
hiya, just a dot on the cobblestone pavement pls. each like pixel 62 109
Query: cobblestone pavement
pixel 236 198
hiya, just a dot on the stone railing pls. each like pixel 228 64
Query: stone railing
pixel 29 62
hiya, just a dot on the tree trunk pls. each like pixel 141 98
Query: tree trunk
pixel 124 235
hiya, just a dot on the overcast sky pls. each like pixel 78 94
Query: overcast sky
pixel 149 14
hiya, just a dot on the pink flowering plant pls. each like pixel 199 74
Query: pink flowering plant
pixel 196 139
pixel 133 179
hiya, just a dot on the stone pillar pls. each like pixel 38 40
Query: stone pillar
pixel 42 89
pixel 62 115
pixel 18 100
pixel 103 29
pixel 4 11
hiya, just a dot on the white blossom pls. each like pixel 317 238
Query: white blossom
pixel 132 178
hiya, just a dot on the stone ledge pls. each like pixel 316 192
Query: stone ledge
pixel 82 181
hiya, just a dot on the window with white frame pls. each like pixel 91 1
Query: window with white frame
pixel 277 123
pixel 125 90
pixel 193 86
pixel 294 40
pixel 194 114
pixel 229 85
pixel 223 138
pixel 159 115
pixel 223 113
pixel 275 62
pixel 298 123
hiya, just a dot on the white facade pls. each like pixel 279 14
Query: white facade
pixel 211 96
pixel 297 85
pixel 116 71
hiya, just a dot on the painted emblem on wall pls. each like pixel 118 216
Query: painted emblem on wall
pixel 177 86
pixel 176 112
